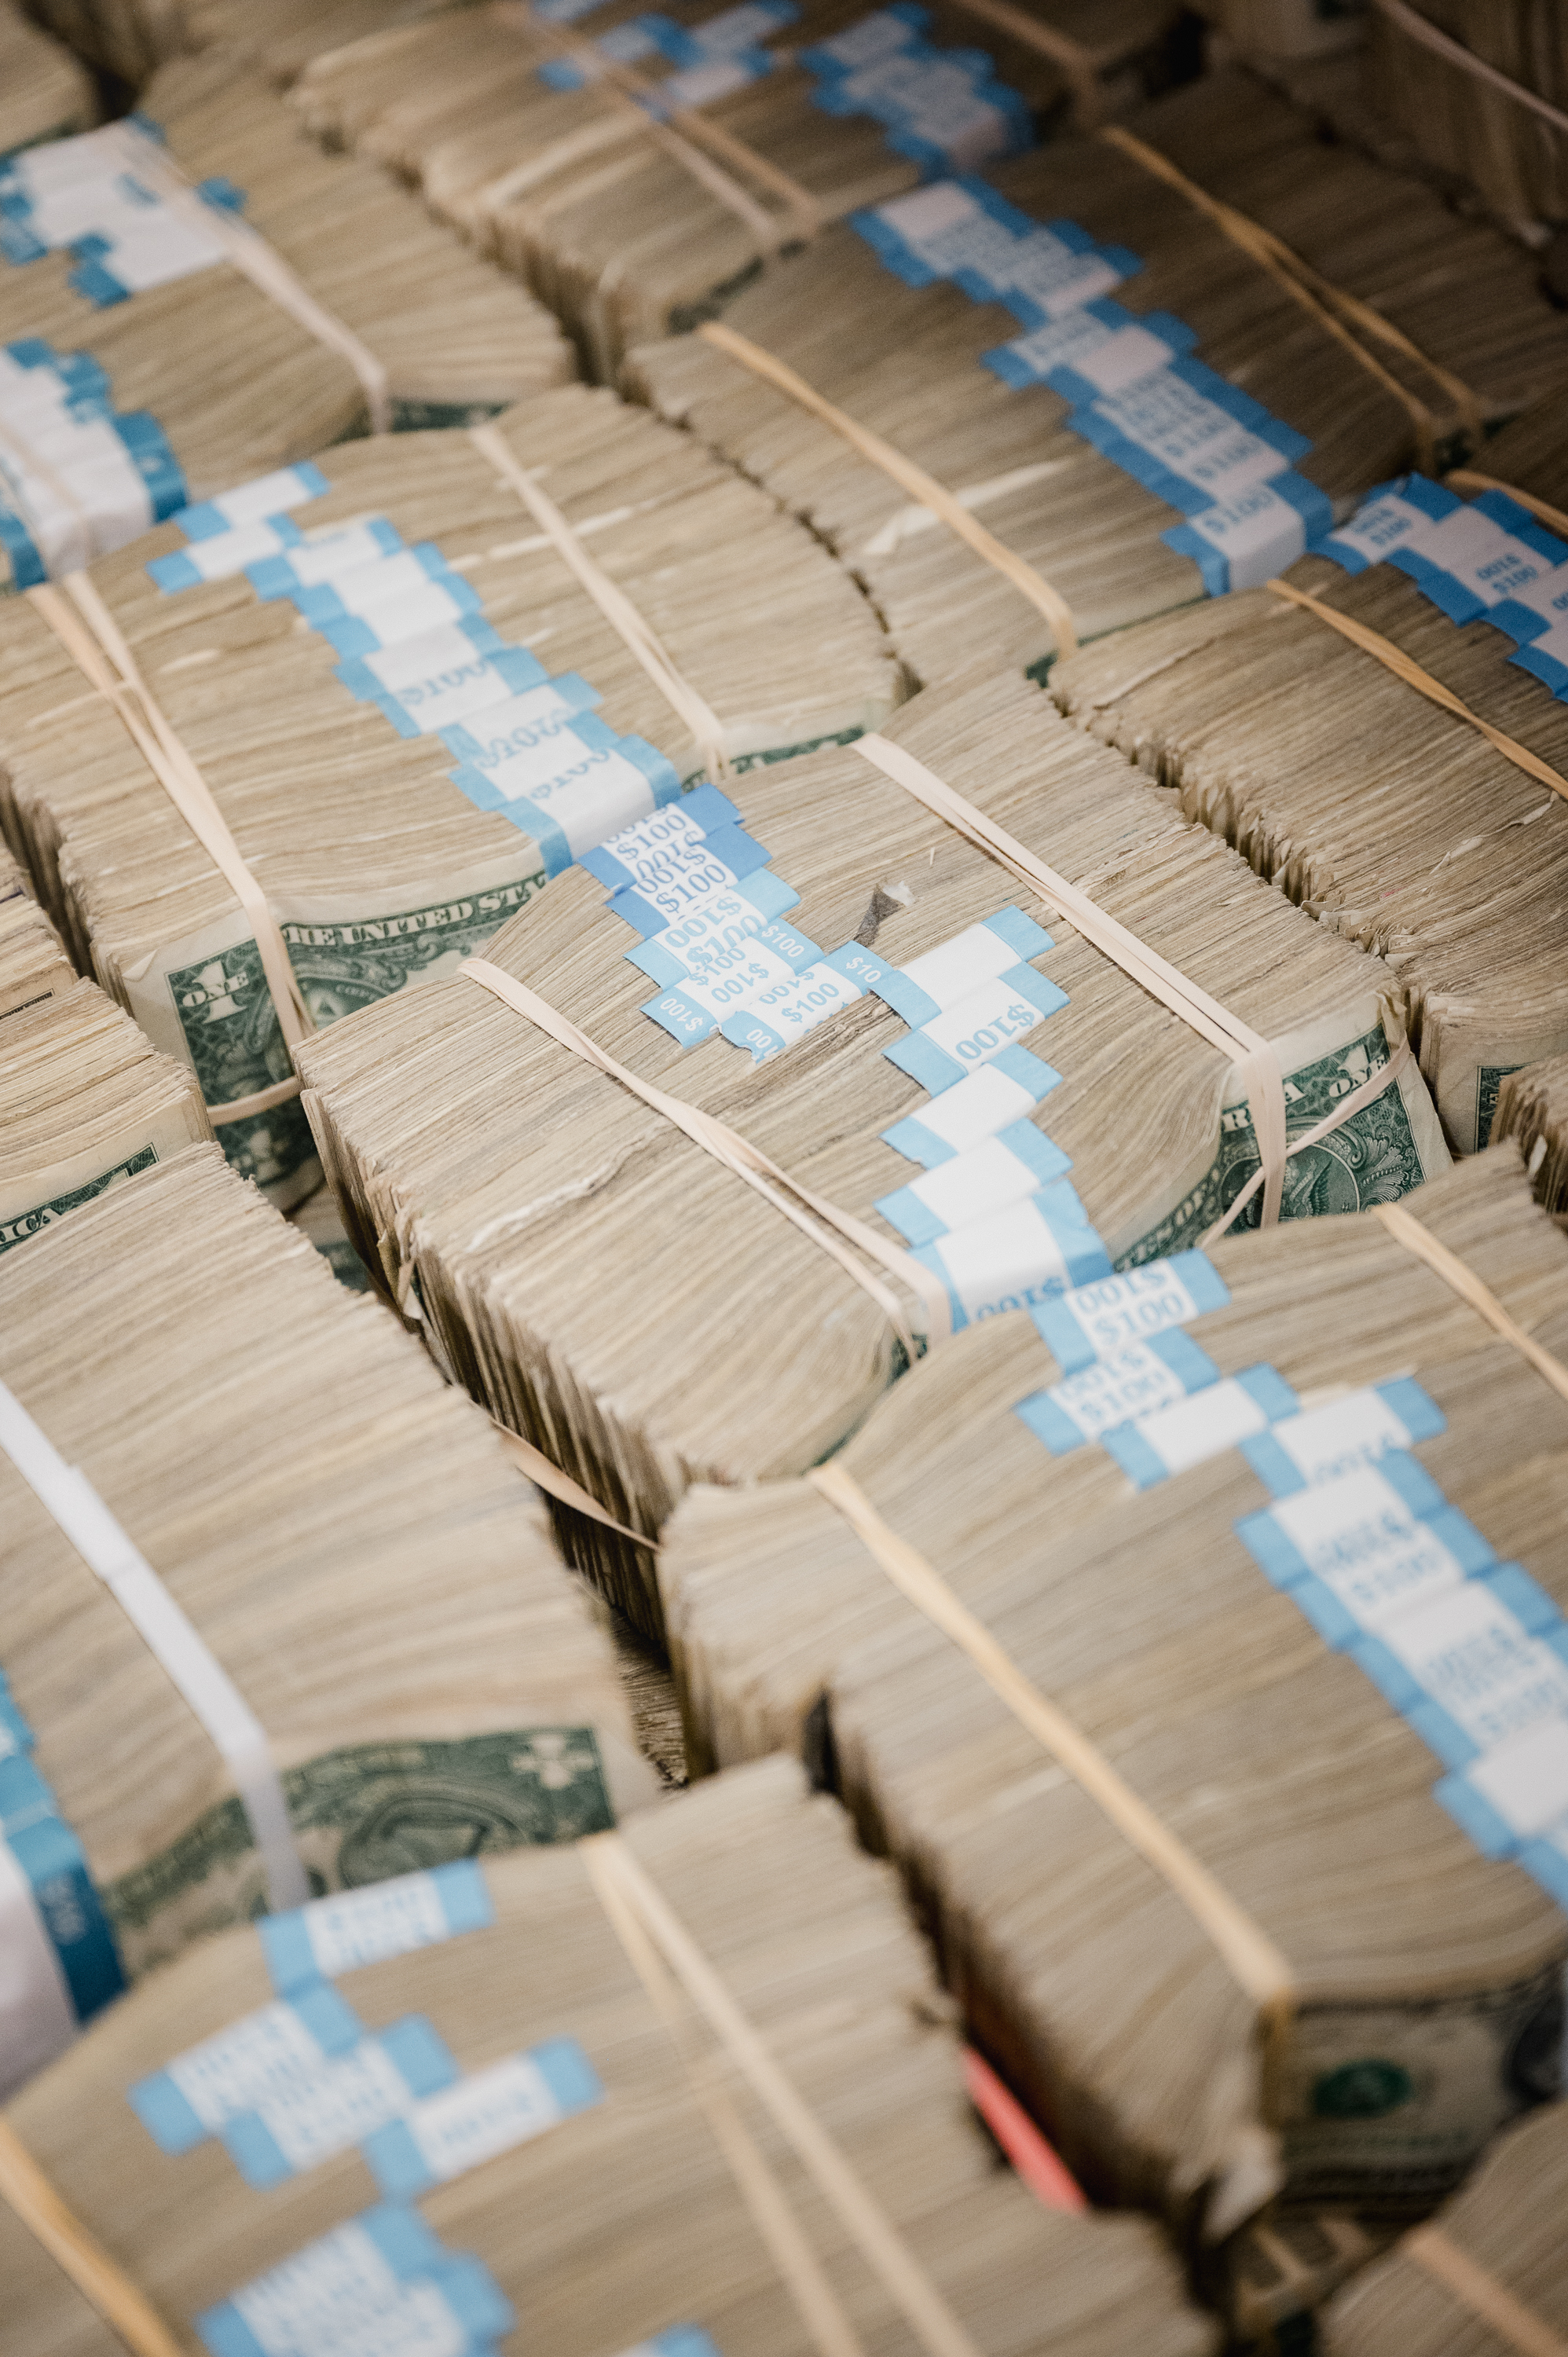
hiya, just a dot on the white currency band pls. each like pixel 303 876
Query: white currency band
pixel 178 1649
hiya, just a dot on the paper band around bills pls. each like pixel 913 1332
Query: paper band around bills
pixel 1443 44
pixel 1482 2294
pixel 259 261
pixel 1418 1239
pixel 1335 309
pixel 1466 478
pixel 1394 658
pixel 1252 1959
pixel 613 1866
pixel 638 636
pixel 1257 1064
pixel 843 1238
pixel 93 639
pixel 923 489
pixel 80 2256
pixel 178 1648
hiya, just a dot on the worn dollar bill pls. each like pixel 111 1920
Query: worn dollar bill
pixel 1379 1153
pixel 29 1205
pixel 205 999
pixel 362 1814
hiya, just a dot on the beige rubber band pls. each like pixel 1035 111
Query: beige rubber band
pixel 545 1474
pixel 1257 1063
pixel 923 489
pixel 95 644
pixel 1333 307
pixel 1386 1076
pixel 1482 2294
pixel 637 635
pixel 850 2201
pixel 833 1230
pixel 825 2320
pixel 1468 479
pixel 261 263
pixel 1254 1961
pixel 80 2256
pixel 1407 1229
pixel 1069 56
pixel 1394 658
pixel 1443 44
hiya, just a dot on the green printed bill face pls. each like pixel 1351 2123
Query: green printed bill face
pixel 363 1814
pixel 1387 1147
pixel 35 1201
pixel 206 1001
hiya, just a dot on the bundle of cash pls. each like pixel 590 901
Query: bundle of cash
pixel 1485 2275
pixel 1357 771
pixel 33 962
pixel 1274 1536
pixel 1124 392
pixel 640 167
pixel 874 1003
pixel 44 92
pixel 130 38
pixel 410 710
pixel 279 1615
pixel 86 1100
pixel 1481 88
pixel 1532 1109
pixel 687 2092
pixel 317 296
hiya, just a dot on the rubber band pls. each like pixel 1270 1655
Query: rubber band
pixel 1407 1229
pixel 1255 1964
pixel 80 2256
pixel 1333 307
pixel 764 2197
pixel 178 1648
pixel 923 489
pixel 1468 479
pixel 261 263
pixel 1072 59
pixel 545 1474
pixel 94 643
pixel 1482 2294
pixel 1443 44
pixel 1394 658
pixel 1258 1065
pixel 850 2203
pixel 833 1230
pixel 637 635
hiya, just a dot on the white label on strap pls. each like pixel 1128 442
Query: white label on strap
pixel 1002 1263
pixel 954 969
pixel 260 2057
pixel 981 1024
pixel 976 1108
pixel 311 2118
pixel 228 553
pixel 1481 557
pixel 736 981
pixel 353 1928
pixel 1326 1442
pixel 974 1185
pixel 265 495
pixel 356 548
pixel 1360 1537
pixel 1112 1312
pixel 38 2020
pixel 1113 1391
pixel 1192 435
pixel 1375 530
pixel 1257 532
pixel 1475 1658
pixel 797 1004
pixel 169 1636
pixel 484 2114
pixel 594 797
pixel 1202 1424
pixel 1527 1781
pixel 340 2299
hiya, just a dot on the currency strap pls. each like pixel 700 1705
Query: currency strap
pixel 1403 666
pixel 1466 478
pixel 258 260
pixel 644 1921
pixel 1335 309
pixel 1411 22
pixel 1478 2291
pixel 93 639
pixel 80 2256
pixel 843 1238
pixel 1418 1239
pixel 702 148
pixel 1254 1961
pixel 923 489
pixel 180 1651
pixel 637 635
